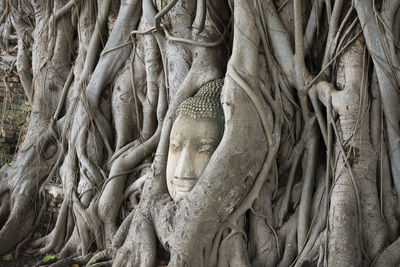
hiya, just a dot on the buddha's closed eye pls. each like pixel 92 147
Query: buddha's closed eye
pixel 176 146
pixel 206 148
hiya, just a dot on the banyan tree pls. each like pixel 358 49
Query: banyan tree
pixel 243 132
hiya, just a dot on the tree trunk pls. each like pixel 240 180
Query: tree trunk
pixel 306 172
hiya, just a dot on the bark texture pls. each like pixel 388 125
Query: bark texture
pixel 306 173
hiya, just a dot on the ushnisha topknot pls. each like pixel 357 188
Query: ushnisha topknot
pixel 205 103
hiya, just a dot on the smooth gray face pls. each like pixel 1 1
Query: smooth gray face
pixel 192 142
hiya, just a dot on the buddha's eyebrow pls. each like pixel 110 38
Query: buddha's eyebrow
pixel 177 138
pixel 207 140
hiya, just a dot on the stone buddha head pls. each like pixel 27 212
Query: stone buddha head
pixel 196 133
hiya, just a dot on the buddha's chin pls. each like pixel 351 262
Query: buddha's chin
pixel 181 192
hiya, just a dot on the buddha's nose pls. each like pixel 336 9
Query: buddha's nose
pixel 185 166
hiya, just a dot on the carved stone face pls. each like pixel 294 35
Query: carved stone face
pixel 192 143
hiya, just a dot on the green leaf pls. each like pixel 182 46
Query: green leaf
pixel 97 263
pixel 153 154
pixel 48 258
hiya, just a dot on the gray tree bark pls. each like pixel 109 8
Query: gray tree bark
pixel 307 171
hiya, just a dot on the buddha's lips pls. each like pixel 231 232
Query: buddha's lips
pixel 184 184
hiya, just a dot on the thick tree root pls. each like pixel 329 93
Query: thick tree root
pixel 103 256
pixel 55 240
pixel 15 229
pixel 249 207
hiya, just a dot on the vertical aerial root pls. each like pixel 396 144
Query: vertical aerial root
pixel 88 222
pixel 316 253
pixel 312 147
pixel 72 247
pixel 263 239
pixel 299 148
pixel 289 230
pixel 122 232
pixel 200 19
pixel 55 240
pixel 88 168
pixel 83 231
